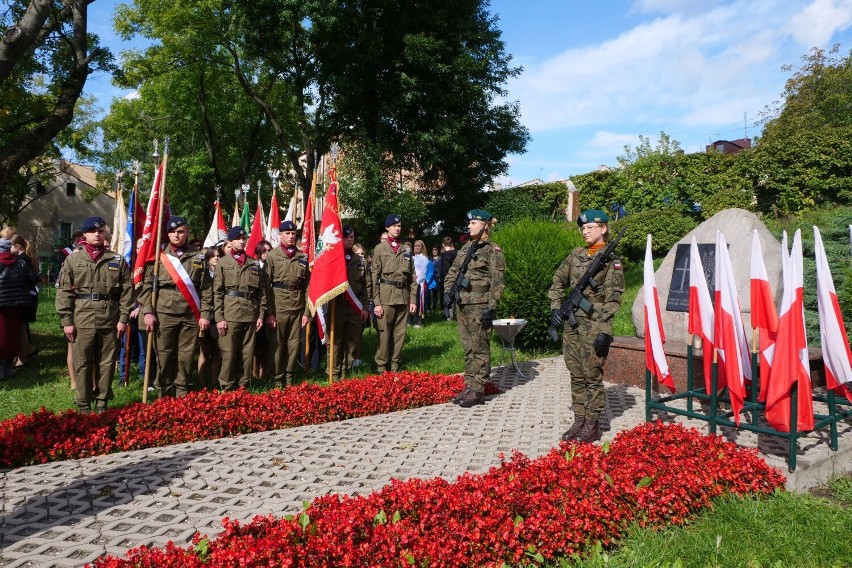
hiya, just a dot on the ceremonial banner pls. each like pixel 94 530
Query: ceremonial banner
pixel 245 222
pixel 764 316
pixel 135 217
pixel 329 278
pixel 308 242
pixel 218 232
pixel 655 337
pixel 273 222
pixel 790 365
pixel 146 252
pixel 119 222
pixel 256 234
pixel 835 348
pixel 701 317
pixel 733 360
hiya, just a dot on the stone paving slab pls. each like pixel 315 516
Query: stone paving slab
pixel 69 513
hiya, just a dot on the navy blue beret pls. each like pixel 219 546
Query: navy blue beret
pixel 236 232
pixel 176 222
pixel 287 226
pixel 391 220
pixel 92 224
pixel 347 230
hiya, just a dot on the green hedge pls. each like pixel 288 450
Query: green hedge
pixel 667 226
pixel 533 251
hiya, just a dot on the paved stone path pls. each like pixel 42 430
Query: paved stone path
pixel 69 513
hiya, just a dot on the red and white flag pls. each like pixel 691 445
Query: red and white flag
pixel 790 365
pixel 150 229
pixel 182 281
pixel 701 316
pixel 764 316
pixel 274 221
pixel 218 232
pixel 290 209
pixel 257 227
pixel 655 337
pixel 733 360
pixel 329 278
pixel 835 347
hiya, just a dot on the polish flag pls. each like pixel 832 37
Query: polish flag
pixel 145 252
pixel 655 337
pixel 790 365
pixel 256 234
pixel 835 347
pixel 731 343
pixel 273 222
pixel 764 316
pixel 308 242
pixel 330 277
pixel 218 232
pixel 701 316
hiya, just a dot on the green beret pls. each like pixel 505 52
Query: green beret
pixel 592 216
pixel 479 215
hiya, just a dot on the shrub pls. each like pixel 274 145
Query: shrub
pixel 667 226
pixel 511 205
pixel 533 251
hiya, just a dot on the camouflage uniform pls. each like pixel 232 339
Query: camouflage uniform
pixel 347 319
pixel 176 334
pixel 94 296
pixel 394 288
pixel 240 298
pixel 584 365
pixel 288 278
pixel 485 273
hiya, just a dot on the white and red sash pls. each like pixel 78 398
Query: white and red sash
pixel 353 301
pixel 183 282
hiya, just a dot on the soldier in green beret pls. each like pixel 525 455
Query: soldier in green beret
pixel 586 345
pixel 477 303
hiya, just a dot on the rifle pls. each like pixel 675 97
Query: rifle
pixel 576 300
pixel 452 297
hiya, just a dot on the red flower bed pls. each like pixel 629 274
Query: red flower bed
pixel 522 511
pixel 46 436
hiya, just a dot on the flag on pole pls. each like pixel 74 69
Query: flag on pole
pixel 218 232
pixel 291 209
pixel 764 316
pixel 655 337
pixel 135 217
pixel 308 242
pixel 790 365
pixel 273 222
pixel 245 219
pixel 235 219
pixel 701 316
pixel 730 336
pixel 835 347
pixel 329 278
pixel 256 234
pixel 119 222
pixel 146 252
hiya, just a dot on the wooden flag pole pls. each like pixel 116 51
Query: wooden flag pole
pixel 331 344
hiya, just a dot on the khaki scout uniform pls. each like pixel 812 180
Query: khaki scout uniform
pixel 485 273
pixel 584 365
pixel 176 334
pixel 240 298
pixel 394 288
pixel 347 318
pixel 288 277
pixel 94 296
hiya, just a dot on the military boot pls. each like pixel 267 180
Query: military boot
pixel 590 432
pixel 472 398
pixel 572 432
pixel 461 395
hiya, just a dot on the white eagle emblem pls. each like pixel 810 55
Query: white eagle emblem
pixel 327 239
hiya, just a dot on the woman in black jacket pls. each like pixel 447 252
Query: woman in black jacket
pixel 16 280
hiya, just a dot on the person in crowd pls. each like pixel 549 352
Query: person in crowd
pixel 384 237
pixel 209 356
pixel 359 249
pixel 394 290
pixel 448 256
pixel 433 300
pixel 350 310
pixel 16 280
pixel 137 347
pixel 240 305
pixel 288 274
pixel 77 241
pixel 586 345
pixel 7 231
pixel 173 320
pixel 94 300
pixel 421 271
pixel 261 345
pixel 25 250
pixel 479 291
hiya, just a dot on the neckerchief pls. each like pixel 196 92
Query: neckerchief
pixel 289 251
pixel 94 252
pixel 393 244
pixel 240 257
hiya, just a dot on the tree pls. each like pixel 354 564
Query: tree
pixel 45 57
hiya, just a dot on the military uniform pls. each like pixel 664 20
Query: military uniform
pixel 288 276
pixel 240 298
pixel 208 343
pixel 578 343
pixel 485 273
pixel 176 334
pixel 93 296
pixel 347 316
pixel 394 288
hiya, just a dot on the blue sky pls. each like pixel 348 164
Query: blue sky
pixel 598 74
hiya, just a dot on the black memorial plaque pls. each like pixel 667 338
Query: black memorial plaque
pixel 678 300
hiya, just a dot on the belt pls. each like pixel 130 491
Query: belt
pixel 97 297
pixel 167 285
pixel 396 284
pixel 238 294
pixel 284 286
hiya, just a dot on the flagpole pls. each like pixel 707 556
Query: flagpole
pixel 154 291
pixel 310 268
pixel 331 344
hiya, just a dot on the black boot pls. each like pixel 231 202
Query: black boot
pixel 572 432
pixel 590 432
pixel 461 395
pixel 472 398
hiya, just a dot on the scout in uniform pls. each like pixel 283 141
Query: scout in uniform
pixel 477 303
pixel 174 322
pixel 240 304
pixel 394 291
pixel 586 345
pixel 350 311
pixel 94 300
pixel 287 270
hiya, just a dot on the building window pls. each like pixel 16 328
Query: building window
pixel 64 231
pixel 71 189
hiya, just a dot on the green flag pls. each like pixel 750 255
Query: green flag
pixel 244 220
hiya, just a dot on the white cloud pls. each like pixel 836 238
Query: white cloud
pixel 132 95
pixel 815 24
